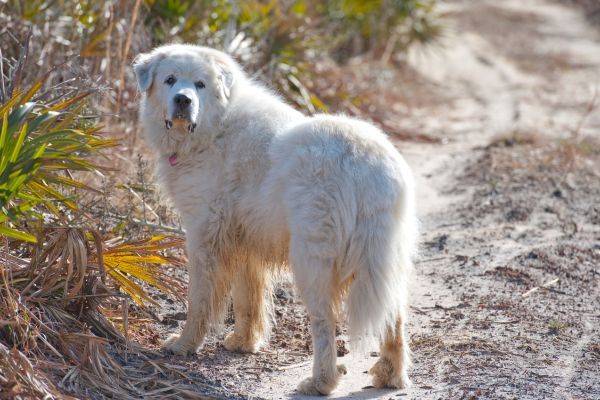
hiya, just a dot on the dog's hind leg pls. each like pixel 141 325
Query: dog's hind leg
pixel 326 374
pixel 314 279
pixel 390 369
pixel 250 289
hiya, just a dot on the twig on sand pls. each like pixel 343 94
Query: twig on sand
pixel 544 286
pixel 138 222
pixel 292 366
pixel 591 106
pixel 418 310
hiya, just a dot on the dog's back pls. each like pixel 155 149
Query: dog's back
pixel 348 198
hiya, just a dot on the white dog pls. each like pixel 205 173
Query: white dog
pixel 259 186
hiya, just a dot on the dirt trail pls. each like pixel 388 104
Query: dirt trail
pixel 497 84
pixel 478 335
pixel 521 66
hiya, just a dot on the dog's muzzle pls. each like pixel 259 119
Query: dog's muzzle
pixel 169 124
pixel 182 112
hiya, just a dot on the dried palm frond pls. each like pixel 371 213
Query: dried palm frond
pixel 51 314
pixel 142 260
pixel 20 379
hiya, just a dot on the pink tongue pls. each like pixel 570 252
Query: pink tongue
pixel 173 159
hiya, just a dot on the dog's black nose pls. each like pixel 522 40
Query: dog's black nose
pixel 182 101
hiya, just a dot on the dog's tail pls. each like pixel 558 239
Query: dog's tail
pixel 378 294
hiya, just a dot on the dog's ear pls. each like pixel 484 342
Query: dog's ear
pixel 225 77
pixel 144 66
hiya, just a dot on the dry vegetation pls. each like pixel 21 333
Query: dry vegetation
pixel 91 273
pixel 87 249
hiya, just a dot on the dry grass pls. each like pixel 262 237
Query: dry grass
pixel 53 316
pixel 20 379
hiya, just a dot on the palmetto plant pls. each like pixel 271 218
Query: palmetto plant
pixel 39 150
pixel 41 147
pixel 58 275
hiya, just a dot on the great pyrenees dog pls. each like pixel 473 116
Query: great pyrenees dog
pixel 261 187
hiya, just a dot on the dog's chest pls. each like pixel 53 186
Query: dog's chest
pixel 191 184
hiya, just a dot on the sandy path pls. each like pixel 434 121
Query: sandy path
pixel 493 91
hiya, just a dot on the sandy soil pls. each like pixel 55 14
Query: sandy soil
pixel 506 290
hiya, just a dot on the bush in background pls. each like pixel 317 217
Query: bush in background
pixel 278 40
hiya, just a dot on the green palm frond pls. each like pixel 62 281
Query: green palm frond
pixel 39 146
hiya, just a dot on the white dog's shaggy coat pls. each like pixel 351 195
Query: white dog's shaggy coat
pixel 259 185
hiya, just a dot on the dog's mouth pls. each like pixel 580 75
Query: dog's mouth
pixel 180 119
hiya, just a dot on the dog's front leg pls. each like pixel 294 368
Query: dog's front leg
pixel 205 299
pixel 251 286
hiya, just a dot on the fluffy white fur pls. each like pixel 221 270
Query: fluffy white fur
pixel 259 186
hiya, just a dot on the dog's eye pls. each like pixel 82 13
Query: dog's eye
pixel 170 80
pixel 200 85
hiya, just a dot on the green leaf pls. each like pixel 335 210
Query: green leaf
pixel 3 143
pixel 18 116
pixel 299 8
pixel 10 103
pixel 18 143
pixel 15 234
pixel 318 103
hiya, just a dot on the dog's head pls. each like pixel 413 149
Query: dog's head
pixel 185 87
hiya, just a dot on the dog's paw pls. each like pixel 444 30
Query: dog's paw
pixel 239 344
pixel 177 345
pixel 308 387
pixel 316 387
pixel 384 375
